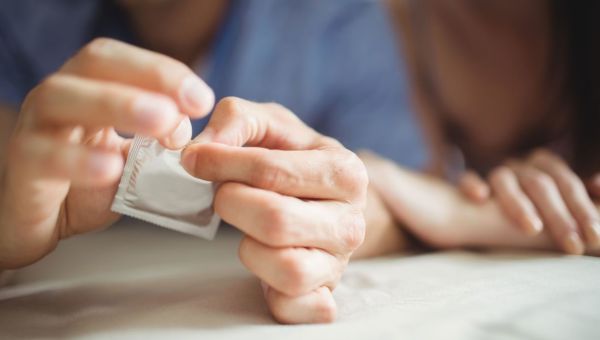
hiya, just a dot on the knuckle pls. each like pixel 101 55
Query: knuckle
pixel 296 271
pixel 571 183
pixel 350 173
pixel 270 175
pixel 92 51
pixel 276 107
pixel 98 46
pixel 280 314
pixel 167 73
pixel 574 188
pixel 354 231
pixel 277 225
pixel 538 183
pixel 280 111
pixel 540 154
pixel 230 107
pixel 325 310
pixel 499 174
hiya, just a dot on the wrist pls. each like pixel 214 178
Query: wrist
pixel 383 233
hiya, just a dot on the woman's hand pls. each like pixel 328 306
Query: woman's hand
pixel 543 192
pixel 65 157
pixel 298 197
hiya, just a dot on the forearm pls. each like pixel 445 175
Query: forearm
pixel 383 233
pixel 437 213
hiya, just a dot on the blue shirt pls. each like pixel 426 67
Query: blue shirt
pixel 335 64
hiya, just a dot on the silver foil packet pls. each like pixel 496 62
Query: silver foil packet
pixel 155 188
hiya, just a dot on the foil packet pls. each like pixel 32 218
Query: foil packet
pixel 155 188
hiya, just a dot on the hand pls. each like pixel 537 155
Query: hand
pixel 298 197
pixel 439 215
pixel 593 186
pixel 65 157
pixel 542 191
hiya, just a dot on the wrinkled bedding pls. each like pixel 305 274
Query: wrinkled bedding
pixel 141 282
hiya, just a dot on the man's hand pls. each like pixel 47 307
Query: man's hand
pixel 298 196
pixel 539 192
pixel 65 157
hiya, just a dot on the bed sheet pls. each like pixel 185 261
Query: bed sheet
pixel 136 281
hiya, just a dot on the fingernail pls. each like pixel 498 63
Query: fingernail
pixel 182 135
pixel 573 244
pixel 151 112
pixel 197 96
pixel 534 225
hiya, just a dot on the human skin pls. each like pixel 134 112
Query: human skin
pixel 441 216
pixel 66 158
pixel 64 155
pixel 494 102
pixel 541 191
pixel 298 196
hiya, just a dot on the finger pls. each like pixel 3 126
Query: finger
pixel 317 306
pixel 544 193
pixel 41 157
pixel 292 271
pixel 115 61
pixel 473 186
pixel 316 174
pixel 593 186
pixel 69 100
pixel 238 122
pixel 514 201
pixel 179 137
pixel 574 194
pixel 281 221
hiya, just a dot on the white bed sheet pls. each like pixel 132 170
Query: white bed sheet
pixel 141 282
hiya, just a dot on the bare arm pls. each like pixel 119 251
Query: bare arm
pixel 384 235
pixel 439 215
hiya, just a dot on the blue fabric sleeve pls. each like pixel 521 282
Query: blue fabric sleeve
pixel 11 91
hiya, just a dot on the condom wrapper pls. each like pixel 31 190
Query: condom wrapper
pixel 155 188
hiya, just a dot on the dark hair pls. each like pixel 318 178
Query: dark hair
pixel 574 68
pixel 577 28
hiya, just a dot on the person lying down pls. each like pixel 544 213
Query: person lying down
pixel 508 95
